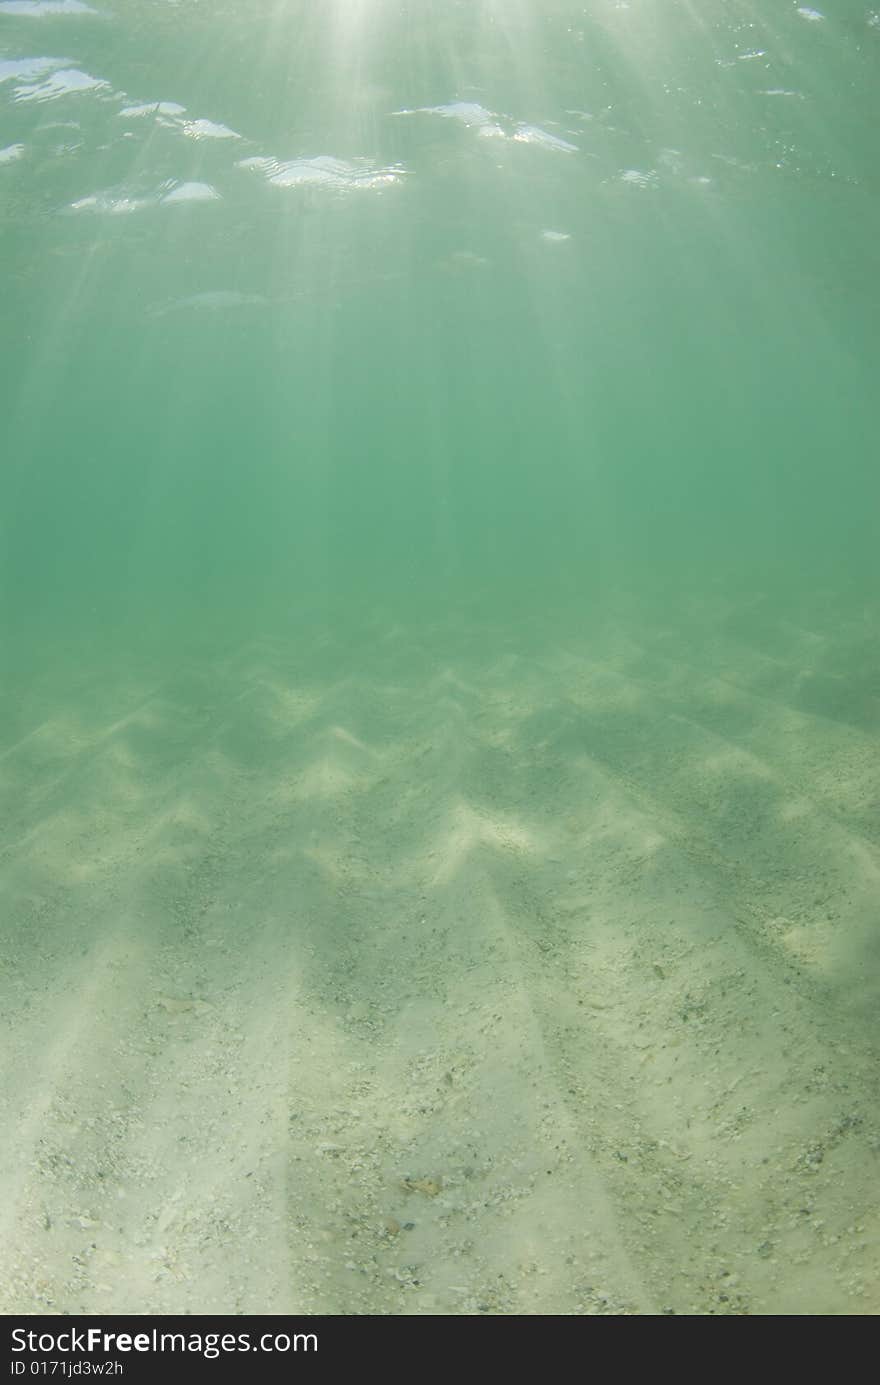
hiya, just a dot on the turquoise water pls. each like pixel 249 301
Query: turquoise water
pixel 377 371
pixel 383 372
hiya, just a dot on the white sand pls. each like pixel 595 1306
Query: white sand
pixel 489 981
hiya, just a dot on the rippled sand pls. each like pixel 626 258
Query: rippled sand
pixel 511 979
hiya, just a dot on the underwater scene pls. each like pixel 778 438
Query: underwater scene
pixel 439 666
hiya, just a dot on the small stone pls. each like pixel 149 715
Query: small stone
pixel 428 1187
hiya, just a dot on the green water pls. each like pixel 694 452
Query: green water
pixel 485 328
pixel 434 398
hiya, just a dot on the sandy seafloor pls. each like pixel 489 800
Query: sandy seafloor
pixel 453 973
